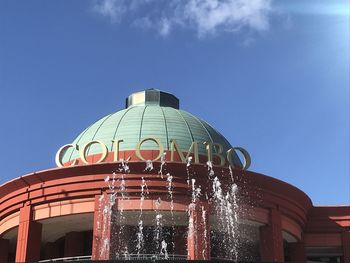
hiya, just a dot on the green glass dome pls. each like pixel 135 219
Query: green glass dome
pixel 145 117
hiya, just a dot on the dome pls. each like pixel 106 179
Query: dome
pixel 149 113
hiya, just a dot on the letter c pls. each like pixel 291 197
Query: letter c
pixel 61 151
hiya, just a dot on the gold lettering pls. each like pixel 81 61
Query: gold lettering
pixel 116 149
pixel 60 153
pixel 86 147
pixel 213 150
pixel 246 156
pixel 138 148
pixel 219 150
pixel 175 147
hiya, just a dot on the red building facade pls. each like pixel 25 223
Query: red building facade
pixel 56 213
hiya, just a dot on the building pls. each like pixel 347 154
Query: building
pixel 115 194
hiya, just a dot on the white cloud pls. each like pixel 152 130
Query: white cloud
pixel 203 16
pixel 113 9
pixel 164 26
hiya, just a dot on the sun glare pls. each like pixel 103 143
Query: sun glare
pixel 318 7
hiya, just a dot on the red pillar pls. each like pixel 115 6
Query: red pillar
pixel 297 252
pixel 198 239
pixel 74 244
pixel 102 226
pixel 4 250
pixel 29 236
pixel 271 240
pixel 346 245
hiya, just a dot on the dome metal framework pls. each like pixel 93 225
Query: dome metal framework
pixel 148 117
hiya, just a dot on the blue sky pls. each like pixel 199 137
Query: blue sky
pixel 272 76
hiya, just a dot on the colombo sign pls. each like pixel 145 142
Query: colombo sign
pixel 213 150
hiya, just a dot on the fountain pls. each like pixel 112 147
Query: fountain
pixel 171 189
pixel 153 231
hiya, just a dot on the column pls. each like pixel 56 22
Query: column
pixel 346 245
pixel 271 240
pixel 74 244
pixel 297 252
pixel 29 236
pixel 102 227
pixel 198 239
pixel 4 250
